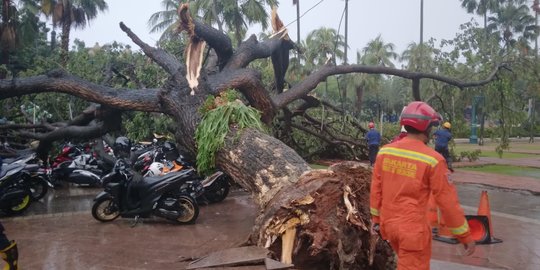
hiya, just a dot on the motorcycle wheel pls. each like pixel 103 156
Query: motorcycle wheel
pixel 105 210
pixel 19 206
pixel 189 209
pixel 38 188
pixel 218 190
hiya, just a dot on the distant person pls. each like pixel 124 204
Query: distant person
pixel 373 138
pixel 442 138
pixel 400 136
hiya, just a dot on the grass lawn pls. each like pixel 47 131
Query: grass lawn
pixel 317 166
pixel 505 154
pixel 490 152
pixel 507 170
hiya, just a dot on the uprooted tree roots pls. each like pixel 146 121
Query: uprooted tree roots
pixel 323 222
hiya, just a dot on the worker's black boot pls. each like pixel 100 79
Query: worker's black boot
pixel 10 255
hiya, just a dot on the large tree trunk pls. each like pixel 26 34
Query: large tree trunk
pixel 326 210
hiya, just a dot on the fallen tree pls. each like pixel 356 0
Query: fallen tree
pixel 315 219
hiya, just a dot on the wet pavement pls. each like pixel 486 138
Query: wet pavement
pixel 57 240
pixel 59 233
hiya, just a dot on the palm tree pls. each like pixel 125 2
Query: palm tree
pixel 230 15
pixel 7 34
pixel 71 13
pixel 165 21
pixel 323 46
pixel 513 24
pixel 481 7
pixel 379 53
pixel 418 57
pixel 18 28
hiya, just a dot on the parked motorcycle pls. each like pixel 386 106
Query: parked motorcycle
pixel 34 175
pixel 36 178
pixel 14 197
pixel 213 188
pixel 68 153
pixel 68 172
pixel 129 195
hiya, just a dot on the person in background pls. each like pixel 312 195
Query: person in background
pixel 406 173
pixel 373 138
pixel 442 138
pixel 400 136
pixel 8 249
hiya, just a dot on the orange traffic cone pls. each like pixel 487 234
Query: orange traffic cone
pixel 484 210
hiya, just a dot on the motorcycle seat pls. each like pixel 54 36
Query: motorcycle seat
pixel 10 169
pixel 31 167
pixel 148 183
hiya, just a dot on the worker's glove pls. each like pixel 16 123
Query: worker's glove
pixel 468 248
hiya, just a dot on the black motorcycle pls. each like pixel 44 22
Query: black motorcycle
pixel 36 178
pixel 130 195
pixel 14 197
pixel 69 172
pixel 34 175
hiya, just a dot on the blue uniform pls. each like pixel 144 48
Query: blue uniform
pixel 442 137
pixel 373 138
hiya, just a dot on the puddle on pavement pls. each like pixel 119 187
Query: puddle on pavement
pixel 518 203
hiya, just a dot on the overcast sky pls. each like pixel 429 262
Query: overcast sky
pixel 396 20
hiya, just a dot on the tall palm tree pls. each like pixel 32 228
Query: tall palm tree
pixel 379 53
pixel 418 57
pixel 323 45
pixel 513 24
pixel 481 7
pixel 229 15
pixel 71 13
pixel 165 21
pixel 18 28
pixel 7 33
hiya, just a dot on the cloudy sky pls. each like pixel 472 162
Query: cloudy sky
pixel 397 21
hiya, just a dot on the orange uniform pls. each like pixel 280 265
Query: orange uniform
pixel 405 174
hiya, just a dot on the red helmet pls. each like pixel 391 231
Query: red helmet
pixel 420 116
pixel 371 125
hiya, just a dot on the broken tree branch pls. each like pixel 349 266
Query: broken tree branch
pixel 310 82
pixel 161 57
pixel 59 81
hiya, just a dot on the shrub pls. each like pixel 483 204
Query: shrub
pixel 470 155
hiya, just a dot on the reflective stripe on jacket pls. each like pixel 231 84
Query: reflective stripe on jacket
pixel 405 174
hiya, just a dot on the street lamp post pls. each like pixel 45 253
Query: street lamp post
pixel 476 102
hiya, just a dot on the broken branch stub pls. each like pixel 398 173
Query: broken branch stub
pixel 194 51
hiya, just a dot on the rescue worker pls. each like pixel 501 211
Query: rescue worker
pixel 8 249
pixel 442 138
pixel 373 138
pixel 405 174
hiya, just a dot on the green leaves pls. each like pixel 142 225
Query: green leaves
pixel 215 126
